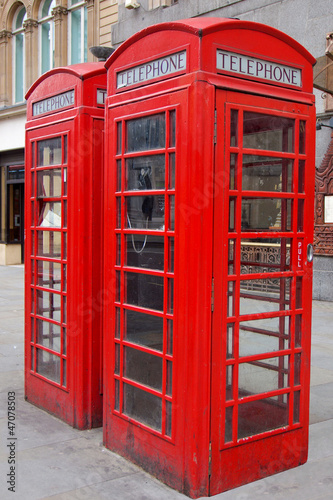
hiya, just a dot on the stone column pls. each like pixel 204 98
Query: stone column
pixel 5 69
pixel 31 51
pixel 60 35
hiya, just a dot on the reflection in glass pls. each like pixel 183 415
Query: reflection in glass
pixel 143 368
pixel 234 128
pixel 145 251
pixel 48 305
pixel 145 173
pixel 48 335
pixel 232 173
pixel 49 243
pixel 146 133
pixel 301 176
pixel 228 424
pixel 143 406
pixel 264 295
pixel 297 406
pixel 49 183
pixel 145 212
pixel 49 274
pixel 48 365
pixel 144 329
pixel 268 132
pixel 263 376
pixel 260 255
pixel 168 418
pixel 266 214
pixel 144 290
pixel 264 173
pixel 263 335
pixel 172 170
pixel 302 136
pixel 261 416
pixel 230 340
pixel 231 256
pixel 172 140
pixel 50 214
pixel 49 152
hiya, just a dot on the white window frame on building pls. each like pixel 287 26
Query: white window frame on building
pixel 46 36
pixel 77 31
pixel 19 51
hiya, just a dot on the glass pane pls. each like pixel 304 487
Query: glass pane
pixel 49 305
pixel 263 173
pixel 76 36
pixel 172 170
pixel 46 42
pixel 268 132
pixel 49 243
pixel 145 173
pixel 144 290
pixel 48 335
pixel 297 405
pixel 146 133
pixel 49 183
pixel 168 389
pixel 265 255
pixel 168 418
pixel 230 340
pixel 117 323
pixel 143 368
pixel 50 214
pixel 119 137
pixel 49 152
pixel 145 251
pixel 234 128
pixel 171 256
pixel 170 296
pixel 231 256
pixel 263 335
pixel 232 174
pixel 145 212
pixel 119 175
pixel 48 365
pixel 228 424
pixel 301 176
pixel 172 213
pixel 65 156
pixel 232 205
pixel 263 376
pixel 49 274
pixel 229 382
pixel 264 295
pixel 261 416
pixel 266 214
pixel 231 299
pixel 143 406
pixel 172 129
pixel 302 136
pixel 144 329
pixel 169 336
pixel 19 66
pixel 64 373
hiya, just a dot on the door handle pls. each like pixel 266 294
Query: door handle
pixel 309 253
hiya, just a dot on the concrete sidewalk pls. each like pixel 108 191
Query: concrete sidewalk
pixel 58 462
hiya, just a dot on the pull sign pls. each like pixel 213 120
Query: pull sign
pixel 299 254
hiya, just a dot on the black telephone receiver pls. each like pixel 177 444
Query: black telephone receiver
pixel 144 182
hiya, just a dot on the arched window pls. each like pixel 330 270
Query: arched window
pixel 46 36
pixel 77 43
pixel 18 54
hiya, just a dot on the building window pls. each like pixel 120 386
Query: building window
pixel 46 36
pixel 18 54
pixel 77 43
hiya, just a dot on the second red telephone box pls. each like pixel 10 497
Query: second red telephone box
pixel 63 250
pixel 208 230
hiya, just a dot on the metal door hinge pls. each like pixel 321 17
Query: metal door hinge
pixel 212 296
pixel 210 460
pixel 215 126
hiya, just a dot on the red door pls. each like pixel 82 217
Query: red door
pixel 142 374
pixel 262 310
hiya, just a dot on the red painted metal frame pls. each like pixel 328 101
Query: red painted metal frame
pixel 77 399
pixel 200 245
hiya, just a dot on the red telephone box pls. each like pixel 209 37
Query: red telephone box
pixel 63 251
pixel 209 214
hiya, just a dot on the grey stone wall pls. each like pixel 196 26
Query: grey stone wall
pixel 323 278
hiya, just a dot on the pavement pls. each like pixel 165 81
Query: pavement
pixel 54 461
